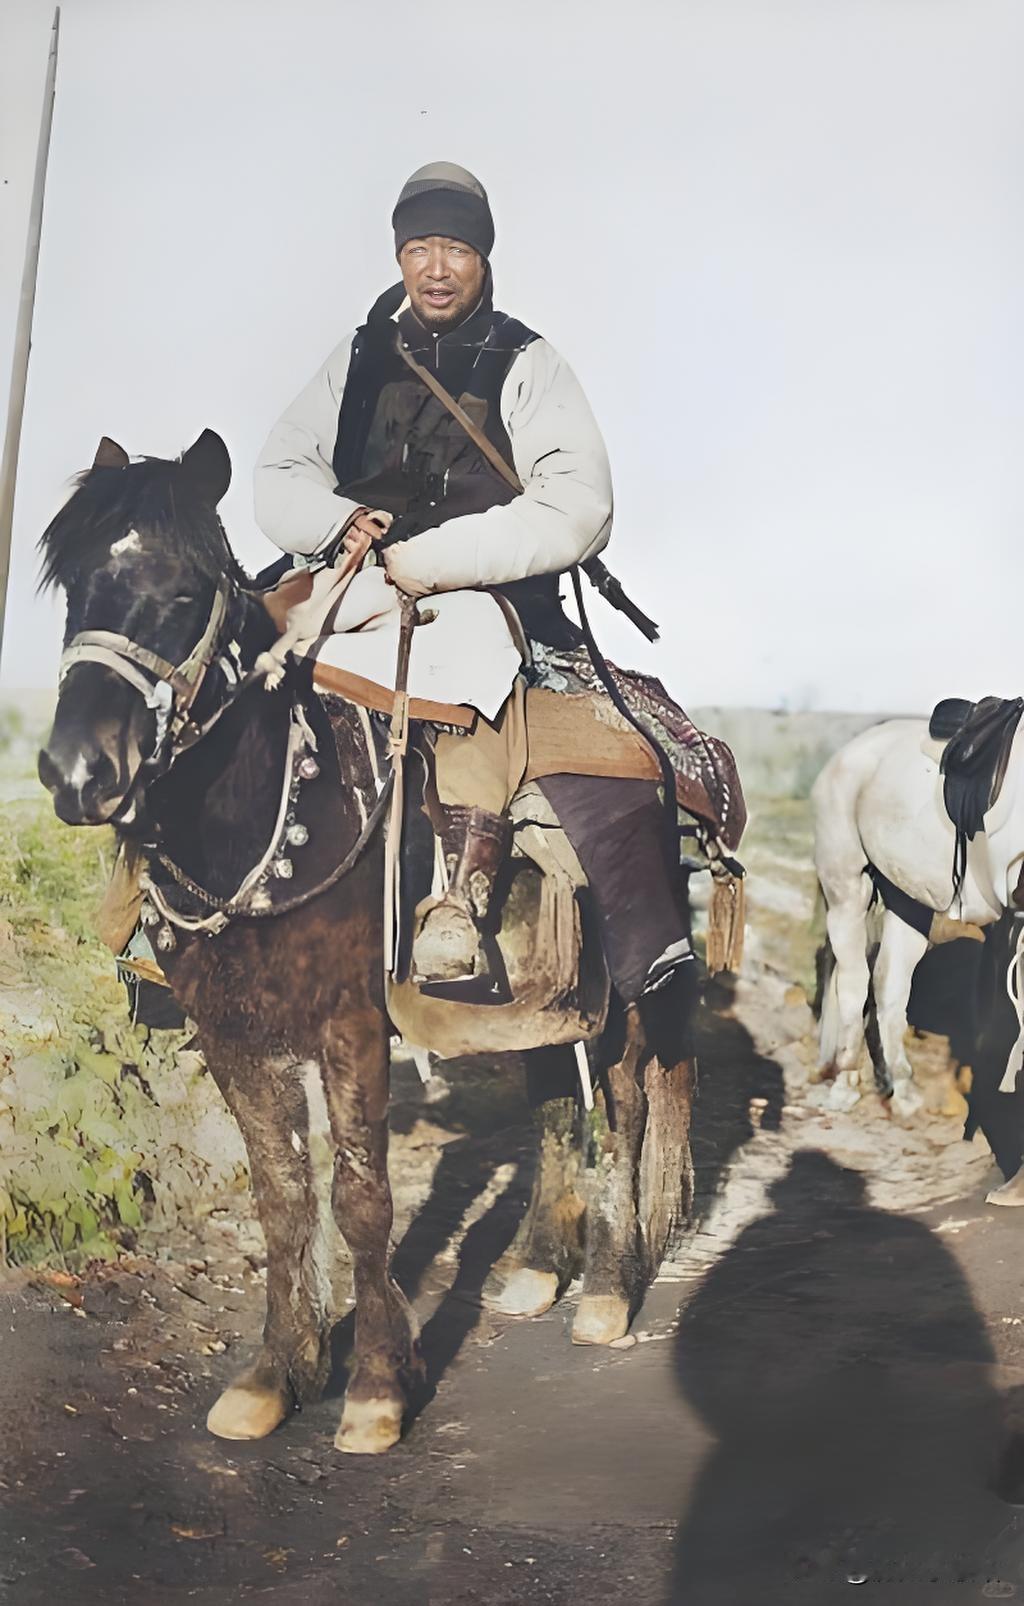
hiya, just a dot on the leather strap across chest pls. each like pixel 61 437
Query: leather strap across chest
pixel 477 436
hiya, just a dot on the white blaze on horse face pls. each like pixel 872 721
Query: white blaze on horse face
pixel 132 542
pixel 79 774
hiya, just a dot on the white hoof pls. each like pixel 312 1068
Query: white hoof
pixel 842 1096
pixel 526 1293
pixel 1009 1194
pixel 907 1100
pixel 601 1319
pixel 369 1427
pixel 248 1413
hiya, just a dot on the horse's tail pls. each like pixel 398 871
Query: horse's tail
pixel 824 958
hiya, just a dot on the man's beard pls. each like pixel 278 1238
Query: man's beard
pixel 450 318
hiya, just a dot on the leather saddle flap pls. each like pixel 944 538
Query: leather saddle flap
pixel 948 717
pixel 974 762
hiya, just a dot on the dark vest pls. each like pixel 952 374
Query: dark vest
pixel 399 448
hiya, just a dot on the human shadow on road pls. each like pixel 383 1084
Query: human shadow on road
pixel 836 1355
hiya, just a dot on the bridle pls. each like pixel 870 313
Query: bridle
pixel 172 694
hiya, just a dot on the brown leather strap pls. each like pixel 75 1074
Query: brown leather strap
pixel 461 417
pixel 593 568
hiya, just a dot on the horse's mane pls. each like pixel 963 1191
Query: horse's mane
pixel 151 496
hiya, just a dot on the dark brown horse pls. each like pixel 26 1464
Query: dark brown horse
pixel 266 868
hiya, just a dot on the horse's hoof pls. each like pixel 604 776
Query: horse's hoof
pixel 248 1412
pixel 524 1293
pixel 601 1319
pixel 842 1098
pixel 907 1101
pixel 1010 1194
pixel 369 1427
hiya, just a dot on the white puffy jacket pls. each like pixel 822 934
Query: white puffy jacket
pixel 563 516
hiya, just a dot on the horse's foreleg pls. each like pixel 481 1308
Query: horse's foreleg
pixel 900 951
pixel 847 931
pixel 387 1360
pixel 547 1251
pixel 270 1101
pixel 618 1263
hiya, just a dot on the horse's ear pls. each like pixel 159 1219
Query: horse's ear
pixel 110 455
pixel 207 463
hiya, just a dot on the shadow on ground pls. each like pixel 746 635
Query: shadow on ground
pixel 731 1074
pixel 837 1356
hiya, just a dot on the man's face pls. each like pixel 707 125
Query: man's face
pixel 443 279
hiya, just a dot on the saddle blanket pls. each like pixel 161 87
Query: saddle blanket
pixel 465 657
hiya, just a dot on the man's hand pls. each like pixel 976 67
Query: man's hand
pixel 366 528
pixel 393 560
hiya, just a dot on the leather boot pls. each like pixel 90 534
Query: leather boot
pixel 447 945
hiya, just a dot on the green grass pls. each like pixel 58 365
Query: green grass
pixel 778 853
pixel 51 876
pixel 79 1132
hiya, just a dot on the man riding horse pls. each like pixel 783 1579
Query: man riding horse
pixel 251 807
pixel 368 459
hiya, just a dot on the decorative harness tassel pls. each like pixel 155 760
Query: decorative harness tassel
pixel 726 920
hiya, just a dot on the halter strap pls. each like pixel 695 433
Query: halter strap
pixel 126 658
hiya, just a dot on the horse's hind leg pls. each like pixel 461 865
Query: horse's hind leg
pixel 618 1264
pixel 547 1251
pixel 900 951
pixel 666 1167
pixel 387 1361
pixel 270 1101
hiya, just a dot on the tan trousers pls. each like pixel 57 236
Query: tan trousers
pixel 485 769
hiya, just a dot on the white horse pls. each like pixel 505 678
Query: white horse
pixel 879 802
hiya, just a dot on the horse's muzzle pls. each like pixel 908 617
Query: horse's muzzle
pixel 101 732
pixel 85 787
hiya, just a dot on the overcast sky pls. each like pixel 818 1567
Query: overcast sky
pixel 780 241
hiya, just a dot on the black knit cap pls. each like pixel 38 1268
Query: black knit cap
pixel 442 198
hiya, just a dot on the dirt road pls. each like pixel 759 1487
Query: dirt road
pixel 819 1394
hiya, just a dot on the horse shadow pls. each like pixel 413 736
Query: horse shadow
pixel 466 1170
pixel 733 1078
pixel 837 1356
pixel 492 1133
pixel 732 1075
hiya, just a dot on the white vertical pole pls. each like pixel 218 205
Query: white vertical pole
pixel 23 333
